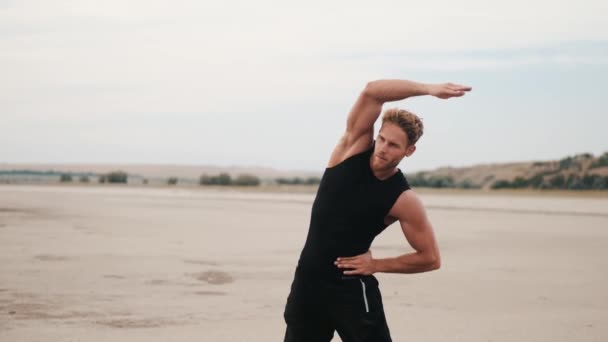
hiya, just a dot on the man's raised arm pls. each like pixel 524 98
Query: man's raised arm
pixel 367 108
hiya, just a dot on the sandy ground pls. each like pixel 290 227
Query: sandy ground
pixel 136 264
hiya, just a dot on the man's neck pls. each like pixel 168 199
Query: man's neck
pixel 383 173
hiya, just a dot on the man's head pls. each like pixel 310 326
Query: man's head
pixel 397 138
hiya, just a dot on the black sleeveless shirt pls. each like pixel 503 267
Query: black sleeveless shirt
pixel 347 214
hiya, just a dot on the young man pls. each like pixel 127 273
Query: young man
pixel 362 192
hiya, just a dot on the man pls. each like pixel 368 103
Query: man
pixel 362 192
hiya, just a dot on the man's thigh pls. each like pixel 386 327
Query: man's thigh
pixel 358 312
pixel 306 314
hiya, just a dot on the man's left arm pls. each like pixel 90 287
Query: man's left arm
pixel 418 232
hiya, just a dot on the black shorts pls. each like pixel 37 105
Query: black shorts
pixel 352 307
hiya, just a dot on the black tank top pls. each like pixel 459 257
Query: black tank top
pixel 347 214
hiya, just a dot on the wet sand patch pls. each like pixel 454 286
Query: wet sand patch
pixel 7 212
pixel 126 323
pixel 10 210
pixel 210 293
pixel 157 282
pixel 45 315
pixel 214 277
pixel 201 262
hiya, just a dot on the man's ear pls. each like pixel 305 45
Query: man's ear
pixel 410 150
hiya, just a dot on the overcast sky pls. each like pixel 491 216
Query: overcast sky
pixel 269 83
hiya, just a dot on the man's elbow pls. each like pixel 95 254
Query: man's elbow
pixel 371 89
pixel 434 263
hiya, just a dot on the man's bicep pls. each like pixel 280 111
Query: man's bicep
pixel 362 116
pixel 419 234
pixel 415 223
pixel 359 133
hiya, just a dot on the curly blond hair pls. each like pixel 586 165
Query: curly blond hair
pixel 409 122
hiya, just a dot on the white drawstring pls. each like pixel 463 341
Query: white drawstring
pixel 364 296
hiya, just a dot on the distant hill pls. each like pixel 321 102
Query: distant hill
pixel 579 172
pixel 146 171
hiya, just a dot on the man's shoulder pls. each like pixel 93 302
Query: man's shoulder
pixel 406 205
pixel 407 196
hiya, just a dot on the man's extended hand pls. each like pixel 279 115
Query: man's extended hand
pixel 447 90
pixel 361 264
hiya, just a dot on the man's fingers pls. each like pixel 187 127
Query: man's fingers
pixel 454 93
pixel 347 264
pixel 461 87
pixel 341 259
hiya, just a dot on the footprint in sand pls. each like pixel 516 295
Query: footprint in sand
pixel 214 277
pixel 51 257
pixel 157 282
pixel 113 276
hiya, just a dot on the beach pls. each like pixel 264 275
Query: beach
pixel 103 263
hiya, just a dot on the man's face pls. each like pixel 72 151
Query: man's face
pixel 391 147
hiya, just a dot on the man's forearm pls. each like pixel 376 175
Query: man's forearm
pixel 407 263
pixel 395 90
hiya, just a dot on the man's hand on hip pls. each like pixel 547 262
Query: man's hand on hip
pixel 362 264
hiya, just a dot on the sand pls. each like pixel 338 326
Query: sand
pixel 134 264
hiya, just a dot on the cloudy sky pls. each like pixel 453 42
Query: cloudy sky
pixel 269 83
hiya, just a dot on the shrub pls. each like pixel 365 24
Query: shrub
pixel 65 178
pixel 313 181
pixel 440 182
pixel 601 161
pixel 247 180
pixel 221 179
pixel 557 181
pixel 565 163
pixel 536 181
pixel 501 184
pixel 205 180
pixel 467 184
pixel 298 181
pixel 117 177
pixel 519 183
pixel 224 179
